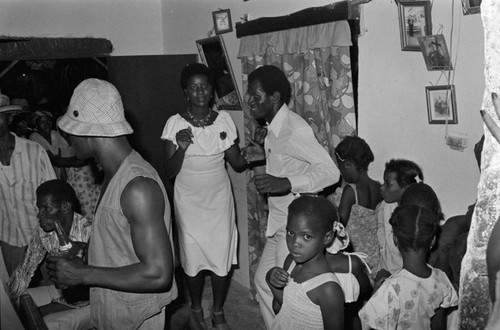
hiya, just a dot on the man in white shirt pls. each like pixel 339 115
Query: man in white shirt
pixel 296 164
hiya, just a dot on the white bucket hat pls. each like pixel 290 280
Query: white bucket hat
pixel 95 109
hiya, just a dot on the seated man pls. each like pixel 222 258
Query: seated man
pixel 56 201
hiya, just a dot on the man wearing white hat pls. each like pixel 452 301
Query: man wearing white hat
pixel 24 165
pixel 130 259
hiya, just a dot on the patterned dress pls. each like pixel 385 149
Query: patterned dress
pixel 475 305
pixel 406 301
pixel 362 228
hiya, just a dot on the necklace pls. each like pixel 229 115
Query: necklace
pixel 199 122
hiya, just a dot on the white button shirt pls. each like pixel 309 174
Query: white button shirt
pixel 293 152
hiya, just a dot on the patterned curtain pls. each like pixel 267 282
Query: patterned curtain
pixel 316 61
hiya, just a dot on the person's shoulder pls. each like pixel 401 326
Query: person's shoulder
pixel 295 121
pixel 30 142
pixel 141 185
pixel 338 262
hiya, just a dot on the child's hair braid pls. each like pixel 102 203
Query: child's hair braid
pixel 414 227
pixel 423 195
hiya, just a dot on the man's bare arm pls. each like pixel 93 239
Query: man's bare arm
pixel 143 205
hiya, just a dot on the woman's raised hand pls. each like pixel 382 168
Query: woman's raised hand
pixel 490 123
pixel 184 138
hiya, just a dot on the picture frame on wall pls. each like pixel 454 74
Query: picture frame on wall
pixel 435 52
pixel 222 21
pixel 414 21
pixel 441 104
pixel 471 7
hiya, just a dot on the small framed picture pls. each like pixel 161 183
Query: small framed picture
pixel 441 104
pixel 414 21
pixel 222 21
pixel 471 6
pixel 435 52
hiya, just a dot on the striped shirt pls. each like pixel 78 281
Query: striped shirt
pixel 29 167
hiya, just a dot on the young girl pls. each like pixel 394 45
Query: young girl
pixel 411 297
pixel 398 175
pixel 307 295
pixel 360 197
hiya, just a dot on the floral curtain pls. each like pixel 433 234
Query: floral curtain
pixel 316 60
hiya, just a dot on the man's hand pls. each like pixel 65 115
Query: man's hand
pixel 259 135
pixel 66 272
pixel 266 183
pixel 490 123
pixel 277 277
pixel 253 152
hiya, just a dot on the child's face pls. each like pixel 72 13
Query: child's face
pixel 304 241
pixel 346 170
pixel 390 190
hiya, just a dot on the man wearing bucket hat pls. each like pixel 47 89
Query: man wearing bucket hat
pixel 130 259
pixel 24 165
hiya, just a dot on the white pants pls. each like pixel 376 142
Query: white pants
pixel 274 254
pixel 74 319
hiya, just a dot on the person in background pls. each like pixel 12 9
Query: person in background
pixel 307 294
pixel 360 197
pixel 413 296
pixel 398 175
pixel 130 259
pixel 352 272
pixel 83 175
pixel 19 125
pixel 56 201
pixel 493 247
pixel 198 143
pixel 296 164
pixel 24 165
pixel 50 140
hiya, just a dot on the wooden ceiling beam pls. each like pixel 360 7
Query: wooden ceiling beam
pixel 17 48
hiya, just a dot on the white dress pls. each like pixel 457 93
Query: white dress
pixel 203 200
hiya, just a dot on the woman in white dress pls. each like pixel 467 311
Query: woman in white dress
pixel 198 142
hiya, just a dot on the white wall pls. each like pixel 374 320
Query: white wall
pixel 133 27
pixel 392 100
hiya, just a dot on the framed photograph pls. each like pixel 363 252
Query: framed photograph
pixel 471 6
pixel 414 21
pixel 222 21
pixel 441 104
pixel 213 54
pixel 435 52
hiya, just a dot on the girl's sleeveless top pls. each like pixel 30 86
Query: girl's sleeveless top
pixel 298 311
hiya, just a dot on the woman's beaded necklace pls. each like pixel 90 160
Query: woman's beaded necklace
pixel 200 122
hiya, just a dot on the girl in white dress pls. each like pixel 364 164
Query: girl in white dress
pixel 307 294
pixel 198 142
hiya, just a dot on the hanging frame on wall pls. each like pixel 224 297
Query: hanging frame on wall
pixel 414 21
pixel 471 6
pixel 435 52
pixel 213 54
pixel 441 104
